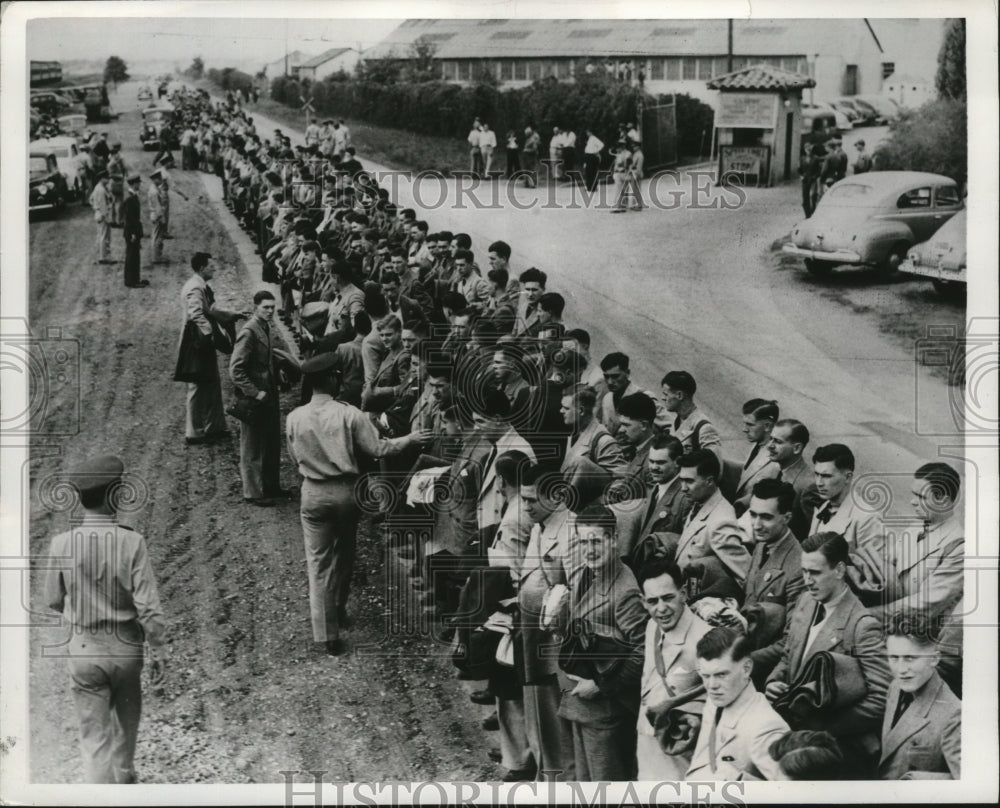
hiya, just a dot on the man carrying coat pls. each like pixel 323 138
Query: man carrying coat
pixel 196 361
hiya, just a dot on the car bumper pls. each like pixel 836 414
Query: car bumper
pixel 42 206
pixel 929 271
pixel 834 256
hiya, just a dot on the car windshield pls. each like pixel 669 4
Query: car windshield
pixel 37 167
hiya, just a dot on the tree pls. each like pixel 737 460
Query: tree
pixel 197 69
pixel 950 79
pixel 115 70
pixel 421 65
pixel 933 139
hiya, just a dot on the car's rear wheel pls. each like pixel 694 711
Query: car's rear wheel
pixel 889 268
pixel 819 268
pixel 948 289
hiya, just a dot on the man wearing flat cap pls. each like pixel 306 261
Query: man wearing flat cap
pixel 196 361
pixel 103 204
pixel 101 580
pixel 133 234
pixel 326 439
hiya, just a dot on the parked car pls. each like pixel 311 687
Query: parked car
pixel 50 103
pixel 942 257
pixel 847 110
pixel 154 120
pixel 46 184
pixel 145 94
pixel 67 154
pixel 873 219
pixel 73 124
pixel 844 123
pixel 884 107
pixel 866 114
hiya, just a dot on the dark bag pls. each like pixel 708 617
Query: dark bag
pixel 223 336
pixel 196 352
pixel 588 655
pixel 246 409
pixel 827 682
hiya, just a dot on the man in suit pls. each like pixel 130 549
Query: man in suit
pixel 663 510
pixel 467 281
pixel 347 301
pixel 602 703
pixel 759 417
pixel 259 353
pixel 838 511
pixel 738 726
pixel 617 379
pixel 157 215
pixel 690 426
pixel 829 617
pixel 102 202
pixel 206 418
pixel 710 527
pixel 532 282
pixel 550 737
pixel 775 574
pixel 132 230
pixel 786 447
pixel 507 368
pixel 593 458
pixel 922 728
pixel 636 414
pixel 925 571
pixel 670 667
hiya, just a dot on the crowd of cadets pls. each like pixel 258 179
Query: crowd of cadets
pixel 639 604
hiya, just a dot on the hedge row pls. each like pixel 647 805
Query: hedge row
pixel 229 78
pixel 594 102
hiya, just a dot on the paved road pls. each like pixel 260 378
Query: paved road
pixel 697 287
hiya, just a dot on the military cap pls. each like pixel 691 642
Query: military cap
pixel 321 363
pixel 158 174
pixel 134 179
pixel 97 473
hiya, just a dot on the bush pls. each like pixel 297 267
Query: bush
pixel 931 138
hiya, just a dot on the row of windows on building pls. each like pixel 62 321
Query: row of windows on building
pixel 669 68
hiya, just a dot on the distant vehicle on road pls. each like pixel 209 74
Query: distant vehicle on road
pixel 46 184
pixel 873 219
pixel 97 103
pixel 145 94
pixel 73 124
pixel 50 103
pixel 154 120
pixel 942 257
pixel 844 123
pixel 66 151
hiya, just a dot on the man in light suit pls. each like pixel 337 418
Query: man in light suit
pixel 839 511
pixel 347 301
pixel 786 447
pixel 690 426
pixel 829 617
pixel 102 202
pixel 602 703
pixel 925 571
pixel 157 215
pixel 672 634
pixel 258 355
pixel 710 527
pixel 491 421
pixel 532 282
pixel 206 418
pixel 738 726
pixel 666 506
pixel 759 417
pixel 550 737
pixel 775 575
pixel 922 728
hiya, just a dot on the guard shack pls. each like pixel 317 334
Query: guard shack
pixel 758 124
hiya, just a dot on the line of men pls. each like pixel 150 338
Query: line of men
pixel 561 506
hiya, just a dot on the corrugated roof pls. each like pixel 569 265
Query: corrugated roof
pixel 324 57
pixel 527 38
pixel 761 77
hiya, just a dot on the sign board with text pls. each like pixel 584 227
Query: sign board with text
pixel 745 165
pixel 746 110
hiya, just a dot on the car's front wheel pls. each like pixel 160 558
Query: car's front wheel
pixel 819 268
pixel 949 289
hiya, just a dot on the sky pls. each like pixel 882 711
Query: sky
pixel 220 42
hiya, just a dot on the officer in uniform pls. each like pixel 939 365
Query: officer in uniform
pixel 133 233
pixel 101 580
pixel 326 439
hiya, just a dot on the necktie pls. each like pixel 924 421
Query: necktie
pixel 753 455
pixel 765 551
pixel 489 460
pixel 711 736
pixel 820 614
pixel 925 532
pixel 651 508
pixel 694 511
pixel 905 700
pixel 531 309
pixel 825 515
pixel 209 295
pixel 586 579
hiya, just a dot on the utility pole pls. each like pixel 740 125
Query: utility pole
pixel 729 46
pixel 286 48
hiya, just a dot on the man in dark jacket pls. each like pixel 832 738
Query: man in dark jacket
pixel 133 233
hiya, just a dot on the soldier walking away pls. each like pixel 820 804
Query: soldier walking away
pixel 101 580
pixel 133 234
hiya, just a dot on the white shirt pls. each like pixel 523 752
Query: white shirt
pixel 594 145
pixel 488 138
